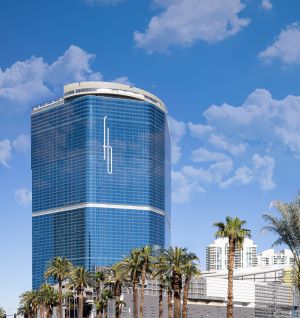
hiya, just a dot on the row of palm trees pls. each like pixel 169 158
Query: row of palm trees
pixel 173 268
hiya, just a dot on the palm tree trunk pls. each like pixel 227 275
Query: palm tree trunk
pixel 99 314
pixel 48 313
pixel 160 300
pixel 59 299
pixel 170 311
pixel 177 295
pixel 135 298
pixel 230 278
pixel 42 311
pixel 185 297
pixel 143 290
pixel 118 291
pixel 80 301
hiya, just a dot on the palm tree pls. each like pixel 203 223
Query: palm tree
pixel 146 260
pixel 234 231
pixel 174 260
pixel 160 271
pixel 287 229
pixel 99 279
pixel 80 279
pixel 116 281
pixel 29 302
pixel 67 296
pixel 131 266
pixel 2 312
pixel 59 269
pixel 47 298
pixel 105 297
pixel 24 310
pixel 190 269
pixel 99 307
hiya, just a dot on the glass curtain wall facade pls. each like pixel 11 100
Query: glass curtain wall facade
pixel 100 180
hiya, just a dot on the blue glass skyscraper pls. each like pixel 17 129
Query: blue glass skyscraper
pixel 100 175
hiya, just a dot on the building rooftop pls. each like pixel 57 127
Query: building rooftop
pixel 101 88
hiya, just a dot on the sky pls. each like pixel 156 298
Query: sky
pixel 227 70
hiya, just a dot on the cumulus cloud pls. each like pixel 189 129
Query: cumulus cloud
pixel 204 155
pixel 239 144
pixel 260 120
pixel 221 143
pixel 5 152
pixel 20 144
pixel 183 187
pixel 200 131
pixel 286 46
pixel 178 130
pixel 263 170
pixel 23 196
pixel 123 80
pixel 29 82
pixel 184 22
pixel 266 4
pixel 243 175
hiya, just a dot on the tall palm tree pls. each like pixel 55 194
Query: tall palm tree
pixel 80 279
pixel 29 300
pixel 287 229
pixel 146 261
pixel 67 296
pixel 161 272
pixel 59 269
pixel 99 280
pixel 174 260
pixel 116 280
pixel 105 297
pixel 24 310
pixel 234 231
pixel 2 312
pixel 131 266
pixel 190 270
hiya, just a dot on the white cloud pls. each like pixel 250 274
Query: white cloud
pixel 29 82
pixel 221 143
pixel 200 131
pixel 102 2
pixel 5 152
pixel 243 175
pixel 204 155
pixel 266 4
pixel 263 170
pixel 190 180
pixel 261 120
pixel 123 80
pixel 22 143
pixel 286 46
pixel 183 187
pixel 73 66
pixel 184 22
pixel 178 130
pixel 23 196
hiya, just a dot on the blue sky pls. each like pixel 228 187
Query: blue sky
pixel 227 70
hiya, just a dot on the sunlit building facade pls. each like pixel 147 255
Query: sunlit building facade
pixel 100 175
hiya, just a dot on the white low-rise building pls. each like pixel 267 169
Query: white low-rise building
pixel 270 258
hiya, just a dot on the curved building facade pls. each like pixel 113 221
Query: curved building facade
pixel 100 175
